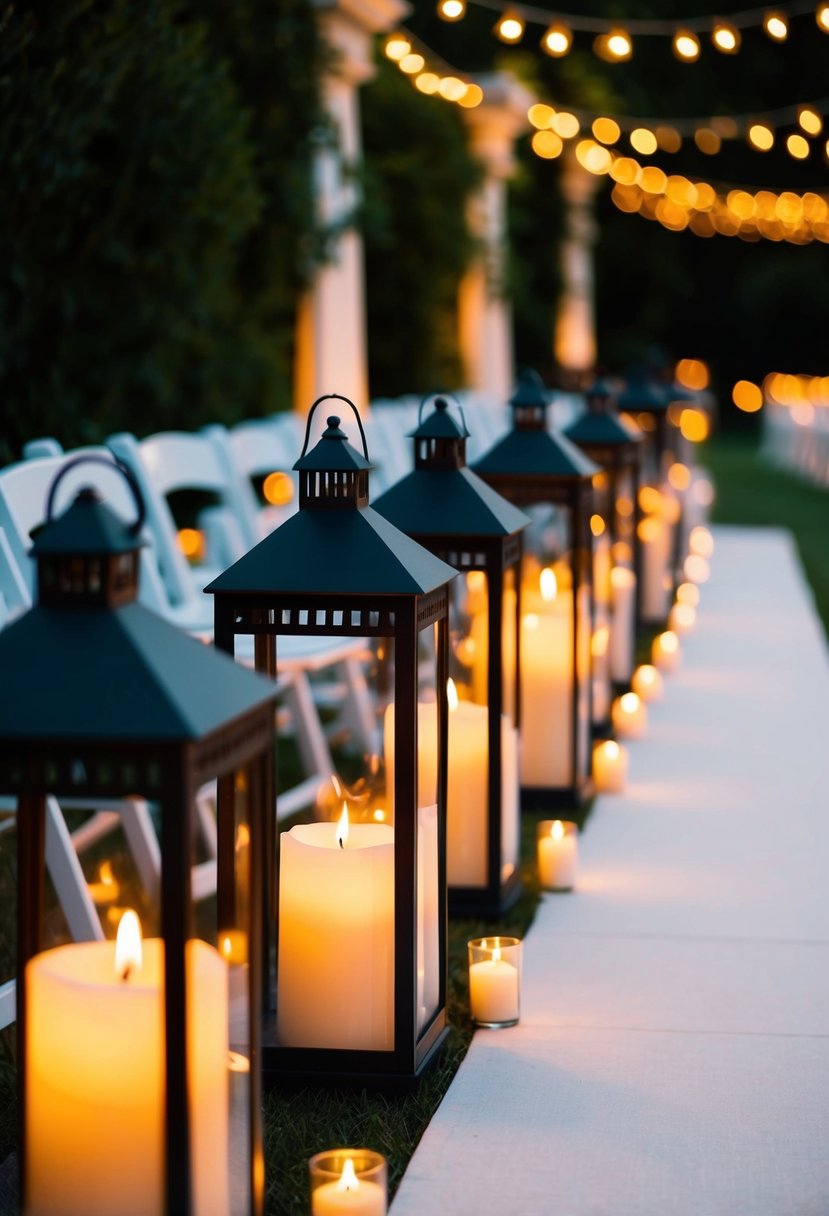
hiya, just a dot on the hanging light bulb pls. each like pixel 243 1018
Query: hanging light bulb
pixel 822 17
pixel 686 46
pixel 810 121
pixel 760 136
pixel 397 47
pixel 615 46
pixel 557 40
pixel 726 37
pixel 776 25
pixel 451 10
pixel 797 146
pixel 510 27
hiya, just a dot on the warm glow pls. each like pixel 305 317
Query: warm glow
pixel 643 140
pixel 476 581
pixel 191 543
pixel 397 47
pixel 614 46
pixel 688 593
pixel 451 10
pixel 597 525
pixel 606 130
pixel 701 541
pixel 650 500
pixel 694 425
pixel 452 695
pixel 412 63
pixel 547 144
pixel 761 137
pixel 565 124
pixel 129 951
pixel 612 749
pixel 810 121
pixel 747 396
pixel 557 830
pixel 451 88
pixel 679 476
pixel 342 827
pixel 686 46
pixel 593 157
pixel 557 40
pixel 348 1179
pixel 473 96
pixel 540 115
pixel 683 617
pixel 465 651
pixel 653 181
pixel 600 642
pixel 797 146
pixel 278 489
pixel 649 530
pixel 379 815
pixel 647 674
pixel 428 83
pixel 668 138
pixel 510 28
pixel 776 26
pixel 822 17
pixel 692 373
pixel 707 141
pixel 668 642
pixel 548 584
pixel 629 702
pixel 496 954
pixel 726 38
pixel 696 568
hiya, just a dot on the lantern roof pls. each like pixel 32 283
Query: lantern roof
pixel 442 498
pixel 530 392
pixel 80 666
pixel 535 454
pixel 602 428
pixel 642 392
pixel 333 452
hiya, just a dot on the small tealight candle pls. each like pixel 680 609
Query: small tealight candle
pixel 647 683
pixel 688 593
pixel 630 716
pixel 558 854
pixel 701 541
pixel 494 981
pixel 682 618
pixel 665 651
pixel 348 1182
pixel 610 767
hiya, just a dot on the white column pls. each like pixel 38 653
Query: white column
pixel 331 339
pixel 574 342
pixel 484 312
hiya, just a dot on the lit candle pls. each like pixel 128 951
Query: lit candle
pixel 647 683
pixel 547 674
pixel 682 618
pixel 655 538
pixel 688 593
pixel 494 981
pixel 335 985
pixel 107 889
pixel 348 1183
pixel 610 767
pixel 558 854
pixel 630 716
pixel 95 1077
pixel 622 631
pixel 701 541
pixel 665 651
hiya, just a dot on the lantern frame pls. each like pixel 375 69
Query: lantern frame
pixel 137 704
pixel 337 569
pixel 532 465
pixel 451 511
pixel 616 446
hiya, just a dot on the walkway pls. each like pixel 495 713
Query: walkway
pixel 673 1052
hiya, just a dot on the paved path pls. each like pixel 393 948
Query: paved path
pixel 673 1052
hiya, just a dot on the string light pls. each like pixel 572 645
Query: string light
pixel 452 10
pixel 726 37
pixel 399 47
pixel 686 46
pixel 557 40
pixel 510 27
pixel 809 120
pixel 776 25
pixel 615 46
pixel 761 137
pixel 797 146
pixel 822 17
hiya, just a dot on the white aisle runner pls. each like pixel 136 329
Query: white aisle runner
pixel 673 1053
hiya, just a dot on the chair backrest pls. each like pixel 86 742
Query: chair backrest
pixel 260 447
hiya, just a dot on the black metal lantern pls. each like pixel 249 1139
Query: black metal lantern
pixel 547 475
pixel 138 1062
pixel 444 506
pixel 360 986
pixel 647 402
pixel 615 445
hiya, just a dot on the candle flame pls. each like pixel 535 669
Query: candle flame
pixel 611 748
pixel 105 874
pixel 548 584
pixel 129 954
pixel 348 1179
pixel 379 815
pixel 668 641
pixel 557 830
pixel 496 954
pixel 647 673
pixel 452 695
pixel 342 827
pixel 629 702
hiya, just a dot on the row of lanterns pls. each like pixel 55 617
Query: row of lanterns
pixel 499 606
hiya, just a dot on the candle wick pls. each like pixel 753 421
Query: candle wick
pixel 340 842
pixel 125 974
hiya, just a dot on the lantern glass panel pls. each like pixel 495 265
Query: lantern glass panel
pixel 510 819
pixel 600 522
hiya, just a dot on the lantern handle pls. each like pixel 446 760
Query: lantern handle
pixel 334 397
pixel 113 463
pixel 452 397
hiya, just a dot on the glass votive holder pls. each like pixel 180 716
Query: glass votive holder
pixel 345 1181
pixel 610 767
pixel 557 842
pixel 665 651
pixel 647 683
pixel 494 981
pixel 629 716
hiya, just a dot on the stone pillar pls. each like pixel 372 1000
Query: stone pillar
pixel 484 311
pixel 574 341
pixel 331 339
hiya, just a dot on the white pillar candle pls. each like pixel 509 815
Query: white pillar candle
pixel 701 541
pixel 599 646
pixel 655 540
pixel 647 683
pixel 610 767
pixel 95 1081
pixel 688 593
pixel 335 983
pixel 665 651
pixel 623 623
pixel 494 982
pixel 547 675
pixel 630 716
pixel 558 854
pixel 682 618
pixel 349 1196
